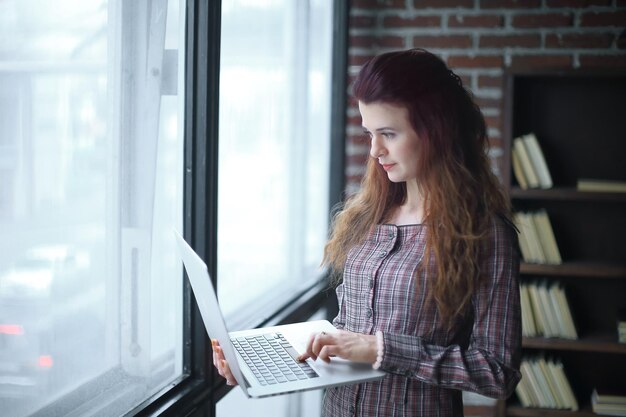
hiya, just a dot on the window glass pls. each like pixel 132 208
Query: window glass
pixel 91 172
pixel 274 131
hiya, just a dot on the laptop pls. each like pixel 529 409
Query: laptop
pixel 263 361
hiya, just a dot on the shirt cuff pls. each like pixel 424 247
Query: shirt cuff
pixel 380 345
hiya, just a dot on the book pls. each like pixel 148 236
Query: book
pixel 550 319
pixel 518 171
pixel 545 310
pixel 528 229
pixel 546 237
pixel 608 396
pixel 534 391
pixel 537 160
pixel 557 400
pixel 547 398
pixel 538 311
pixel 564 312
pixel 528 318
pixel 610 403
pixel 523 238
pixel 525 162
pixel 563 384
pixel 523 393
pixel 594 185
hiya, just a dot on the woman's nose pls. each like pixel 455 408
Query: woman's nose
pixel 376 149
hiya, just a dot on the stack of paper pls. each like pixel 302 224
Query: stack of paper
pixel 608 403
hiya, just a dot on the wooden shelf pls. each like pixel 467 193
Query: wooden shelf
pixel 576 269
pixel 518 411
pixel 591 343
pixel 565 194
pixel 581 134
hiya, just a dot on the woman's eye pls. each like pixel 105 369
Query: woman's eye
pixel 388 135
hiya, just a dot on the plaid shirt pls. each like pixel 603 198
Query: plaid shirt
pixel 427 365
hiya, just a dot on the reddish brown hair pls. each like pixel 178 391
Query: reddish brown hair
pixel 462 195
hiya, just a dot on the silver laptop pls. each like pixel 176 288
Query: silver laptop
pixel 263 361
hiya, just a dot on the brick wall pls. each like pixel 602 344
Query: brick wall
pixel 479 39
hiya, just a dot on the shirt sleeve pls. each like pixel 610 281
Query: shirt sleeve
pixel 340 321
pixel 490 363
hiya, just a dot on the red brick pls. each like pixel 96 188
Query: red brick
pixel 353 120
pixel 493 122
pixel 495 143
pixel 542 20
pixel 577 3
pixel 503 41
pixel 541 61
pixel 488 102
pixel 478 21
pixel 423 4
pixel 358 160
pixel 358 140
pixel 617 18
pixel 376 4
pixel 414 22
pixel 362 21
pixel 358 60
pixel 351 78
pixel 579 40
pixel 376 41
pixel 603 61
pixel 509 4
pixel 479 61
pixel 489 81
pixel 443 41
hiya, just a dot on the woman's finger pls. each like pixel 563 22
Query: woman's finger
pixel 327 352
pixel 319 342
pixel 308 353
pixel 230 379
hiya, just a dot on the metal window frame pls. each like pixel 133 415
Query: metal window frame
pixel 200 389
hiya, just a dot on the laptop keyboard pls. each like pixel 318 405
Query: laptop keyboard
pixel 272 359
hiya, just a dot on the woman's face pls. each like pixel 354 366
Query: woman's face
pixel 394 143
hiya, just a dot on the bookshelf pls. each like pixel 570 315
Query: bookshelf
pixel 579 119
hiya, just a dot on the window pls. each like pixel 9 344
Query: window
pixel 91 166
pixel 274 152
pixel 96 97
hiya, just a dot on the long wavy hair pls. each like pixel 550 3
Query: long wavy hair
pixel 461 193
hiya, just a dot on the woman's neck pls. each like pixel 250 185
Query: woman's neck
pixel 412 211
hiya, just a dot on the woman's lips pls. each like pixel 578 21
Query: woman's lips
pixel 387 167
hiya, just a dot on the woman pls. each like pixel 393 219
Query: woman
pixel 425 255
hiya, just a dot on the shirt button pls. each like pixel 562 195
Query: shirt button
pixel 352 409
pixel 382 253
pixel 371 283
pixel 369 312
pixel 390 235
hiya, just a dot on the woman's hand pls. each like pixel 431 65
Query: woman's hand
pixel 220 363
pixel 355 347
